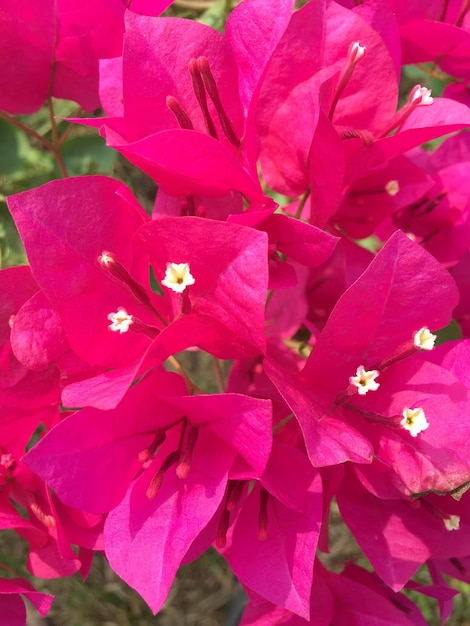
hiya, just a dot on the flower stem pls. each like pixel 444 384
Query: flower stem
pixel 56 140
pixel 29 131
pixel 218 374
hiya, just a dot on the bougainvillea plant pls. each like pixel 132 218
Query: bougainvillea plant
pixel 303 239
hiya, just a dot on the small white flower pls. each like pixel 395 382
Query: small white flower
pixel 356 52
pixel 106 259
pixel 392 187
pixel 414 421
pixel 364 380
pixel 178 277
pixel 424 339
pixel 452 522
pixel 120 321
pixel 421 93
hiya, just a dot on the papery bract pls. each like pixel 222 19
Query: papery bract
pixel 360 331
pixel 12 608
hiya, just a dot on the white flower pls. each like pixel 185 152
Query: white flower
pixel 356 52
pixel 120 321
pixel 364 380
pixel 178 277
pixel 414 420
pixel 424 340
pixel 452 522
pixel 392 187
pixel 422 94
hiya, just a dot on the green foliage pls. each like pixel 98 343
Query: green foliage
pixel 22 164
pixel 450 332
pixel 87 154
pixel 11 248
pixel 215 16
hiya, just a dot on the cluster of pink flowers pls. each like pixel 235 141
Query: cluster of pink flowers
pixel 336 390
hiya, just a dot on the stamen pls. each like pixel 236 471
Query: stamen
pixel 355 54
pixel 147 453
pixel 364 380
pixel 157 480
pixel 186 457
pixel 458 565
pixel 414 421
pixel 424 340
pixel 201 211
pixel 235 490
pixel 178 276
pixel 181 116
pixel 364 135
pixel 47 520
pixel 221 539
pixel 419 96
pixel 190 205
pixel 263 515
pixel 108 261
pixel 140 327
pixel 273 258
pixel 200 93
pixel 211 88
pixel 465 8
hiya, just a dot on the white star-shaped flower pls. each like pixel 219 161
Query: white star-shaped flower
pixel 364 380
pixel 120 321
pixel 414 420
pixel 178 277
pixel 424 339
pixel 452 522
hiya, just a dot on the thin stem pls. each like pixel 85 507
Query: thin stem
pixel 56 143
pixel 434 72
pixel 29 131
pixel 65 135
pixel 192 388
pixel 301 205
pixel 218 374
pixel 197 5
pixel 227 9
pixel 283 423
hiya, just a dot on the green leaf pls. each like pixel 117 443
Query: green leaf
pixel 22 165
pixel 154 284
pixel 88 154
pixel 214 16
pixel 450 332
pixel 11 248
